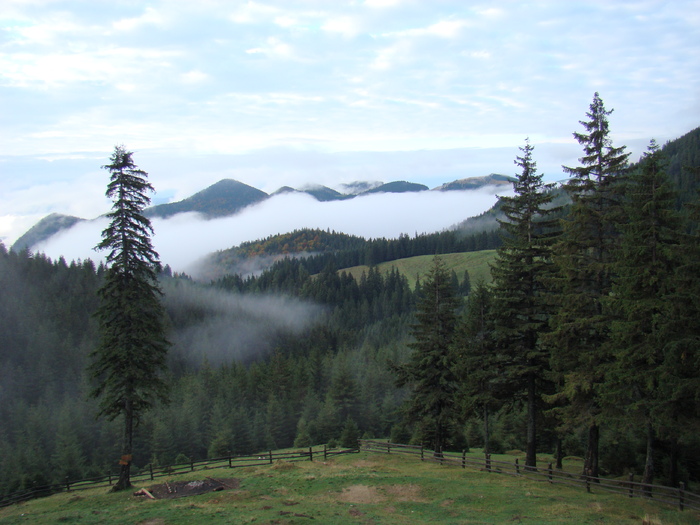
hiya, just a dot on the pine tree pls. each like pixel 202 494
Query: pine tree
pixel 476 358
pixel 681 366
pixel 641 300
pixel 584 278
pixel 523 264
pixel 132 348
pixel 429 372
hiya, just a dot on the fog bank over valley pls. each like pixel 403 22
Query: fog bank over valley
pixel 185 239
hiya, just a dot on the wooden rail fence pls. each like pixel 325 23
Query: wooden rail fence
pixel 679 497
pixel 150 473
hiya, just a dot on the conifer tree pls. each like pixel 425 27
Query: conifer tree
pixel 522 267
pixel 132 350
pixel 681 366
pixel 641 303
pixel 584 258
pixel 429 372
pixel 476 357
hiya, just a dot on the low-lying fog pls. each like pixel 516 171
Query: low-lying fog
pixel 220 327
pixel 184 239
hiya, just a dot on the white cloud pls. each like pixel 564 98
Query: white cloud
pixel 109 65
pixel 382 3
pixel 150 16
pixel 274 48
pixel 194 77
pixel 392 56
pixel 443 28
pixel 184 239
pixel 345 25
pixel 254 12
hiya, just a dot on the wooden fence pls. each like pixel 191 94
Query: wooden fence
pixel 679 497
pixel 150 472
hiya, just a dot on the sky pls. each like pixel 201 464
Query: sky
pixel 275 93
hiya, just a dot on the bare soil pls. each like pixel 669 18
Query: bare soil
pixel 181 489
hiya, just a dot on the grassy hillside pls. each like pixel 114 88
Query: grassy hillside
pixel 477 263
pixel 357 488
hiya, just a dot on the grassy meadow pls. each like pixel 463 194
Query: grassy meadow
pixel 477 263
pixel 365 488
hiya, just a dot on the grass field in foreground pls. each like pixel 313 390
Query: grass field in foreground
pixel 477 263
pixel 357 488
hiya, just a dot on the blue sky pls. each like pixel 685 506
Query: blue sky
pixel 276 93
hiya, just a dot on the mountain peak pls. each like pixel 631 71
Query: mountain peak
pixel 44 229
pixel 474 183
pixel 399 186
pixel 221 198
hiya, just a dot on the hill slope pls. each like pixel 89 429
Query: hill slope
pixel 226 197
pixel 413 268
pixel 44 229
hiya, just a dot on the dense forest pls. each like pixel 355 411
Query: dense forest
pixel 302 353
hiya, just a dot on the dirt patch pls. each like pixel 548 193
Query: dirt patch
pixel 181 489
pixel 361 494
pixel 404 493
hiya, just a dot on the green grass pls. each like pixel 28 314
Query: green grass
pixel 476 262
pixel 356 488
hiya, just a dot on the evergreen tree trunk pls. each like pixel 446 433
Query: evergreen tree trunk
pixel 531 454
pixel 559 453
pixel 673 477
pixel 127 447
pixel 439 432
pixel 590 464
pixel 648 477
pixel 487 448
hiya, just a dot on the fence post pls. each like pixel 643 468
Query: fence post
pixel 270 457
pixel 588 482
pixel 517 466
pixel 488 462
pixel 464 459
pixel 388 447
pixel 631 478
pixel 311 454
pixel 421 452
pixel 150 468
pixel 681 495
pixel 549 472
pixel 325 453
pixel 230 465
pixel 109 477
pixel 67 485
pixel 192 464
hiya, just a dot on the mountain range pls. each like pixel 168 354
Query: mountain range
pixel 228 197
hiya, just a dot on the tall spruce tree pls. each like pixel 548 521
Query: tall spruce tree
pixel 681 364
pixel 641 304
pixel 430 371
pixel 522 267
pixel 477 363
pixel 131 354
pixel 584 257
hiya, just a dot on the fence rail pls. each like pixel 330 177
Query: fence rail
pixel 679 497
pixel 150 472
